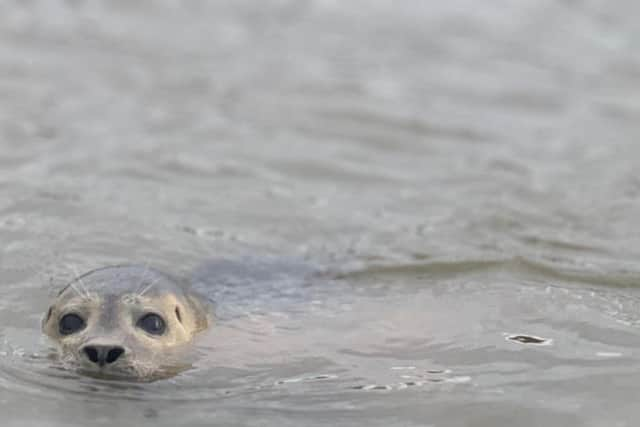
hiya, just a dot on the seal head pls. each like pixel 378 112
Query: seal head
pixel 126 321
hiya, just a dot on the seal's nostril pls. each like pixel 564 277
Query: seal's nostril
pixel 102 354
pixel 92 353
pixel 114 354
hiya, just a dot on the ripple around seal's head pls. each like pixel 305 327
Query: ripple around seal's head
pixel 42 376
pixel 29 366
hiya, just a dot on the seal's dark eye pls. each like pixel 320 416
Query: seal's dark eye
pixel 70 324
pixel 152 324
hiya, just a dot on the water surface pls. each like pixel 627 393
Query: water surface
pixel 464 174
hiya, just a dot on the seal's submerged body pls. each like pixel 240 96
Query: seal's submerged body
pixel 125 321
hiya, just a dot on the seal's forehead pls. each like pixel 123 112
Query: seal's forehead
pixel 119 280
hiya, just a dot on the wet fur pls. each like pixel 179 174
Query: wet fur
pixel 109 300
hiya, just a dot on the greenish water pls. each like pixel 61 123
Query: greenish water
pixel 463 173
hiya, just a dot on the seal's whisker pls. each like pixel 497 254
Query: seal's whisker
pixel 87 295
pixel 149 286
pixel 77 291
pixel 144 276
pixel 74 281
pixel 79 281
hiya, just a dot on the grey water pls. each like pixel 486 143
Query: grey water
pixel 465 175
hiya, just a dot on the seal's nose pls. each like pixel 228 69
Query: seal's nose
pixel 103 354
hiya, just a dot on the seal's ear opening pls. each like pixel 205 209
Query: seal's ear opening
pixel 202 312
pixel 46 317
pixel 178 315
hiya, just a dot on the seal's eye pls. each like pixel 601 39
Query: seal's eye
pixel 152 323
pixel 70 324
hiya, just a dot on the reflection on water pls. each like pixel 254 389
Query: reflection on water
pixel 463 175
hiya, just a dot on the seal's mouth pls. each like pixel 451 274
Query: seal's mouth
pixel 126 368
pixel 128 373
pixel 132 373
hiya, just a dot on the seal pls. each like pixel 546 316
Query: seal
pixel 126 321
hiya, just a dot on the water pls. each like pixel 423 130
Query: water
pixel 464 173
